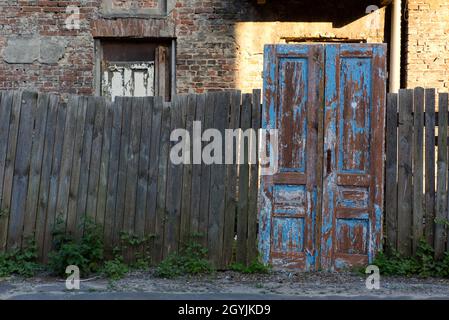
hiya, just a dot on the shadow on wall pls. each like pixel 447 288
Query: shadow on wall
pixel 300 21
pixel 338 12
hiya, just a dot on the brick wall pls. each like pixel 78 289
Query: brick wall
pixel 219 43
pixel 428 44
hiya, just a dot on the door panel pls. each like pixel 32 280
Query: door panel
pixel 293 96
pixel 322 208
pixel 353 139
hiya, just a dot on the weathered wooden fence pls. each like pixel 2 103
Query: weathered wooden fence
pixel 110 161
pixel 416 199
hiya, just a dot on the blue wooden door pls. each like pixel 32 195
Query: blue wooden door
pixel 322 208
pixel 353 145
pixel 292 99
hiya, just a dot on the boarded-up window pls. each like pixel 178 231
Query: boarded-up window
pixel 133 68
pixel 128 79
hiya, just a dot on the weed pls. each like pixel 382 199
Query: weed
pixel 423 264
pixel 115 269
pixel 86 253
pixel 190 260
pixel 20 261
pixel 140 247
pixel 254 267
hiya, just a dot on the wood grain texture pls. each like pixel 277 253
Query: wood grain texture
pixel 430 164
pixel 418 168
pixel 391 183
pixel 441 196
pixel 242 208
pixel 21 169
pixel 405 188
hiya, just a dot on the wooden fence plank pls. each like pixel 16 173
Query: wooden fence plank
pixel 152 194
pixel 391 184
pixel 217 185
pixel 196 167
pixel 418 166
pixel 21 169
pixel 114 157
pixel 186 197
pixel 36 166
pixel 231 183
pixel 174 184
pixel 164 149
pixel 9 168
pixel 242 208
pixel 144 162
pixel 76 166
pixel 5 119
pixel 54 178
pixel 133 165
pixel 123 165
pixel 430 164
pixel 81 204
pixel 95 158
pixel 405 171
pixel 253 181
pixel 44 185
pixel 66 162
pixel 441 201
pixel 104 165
pixel 205 172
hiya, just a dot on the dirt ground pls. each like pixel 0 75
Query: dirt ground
pixel 228 285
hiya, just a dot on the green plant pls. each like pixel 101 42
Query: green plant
pixel 86 253
pixel 254 267
pixel 20 261
pixel 190 260
pixel 140 249
pixel 115 269
pixel 422 264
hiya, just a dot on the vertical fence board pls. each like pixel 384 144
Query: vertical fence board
pixel 418 166
pixel 95 158
pixel 405 171
pixel 133 165
pixel 21 169
pixel 430 164
pixel 104 166
pixel 253 180
pixel 164 149
pixel 196 167
pixel 205 172
pixel 242 208
pixel 186 197
pixel 5 117
pixel 150 218
pixel 174 184
pixel 76 166
pixel 391 186
pixel 217 186
pixel 83 186
pixel 54 178
pixel 35 167
pixel 44 184
pixel 122 170
pixel 66 162
pixel 114 157
pixel 143 171
pixel 231 182
pixel 9 169
pixel 441 201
